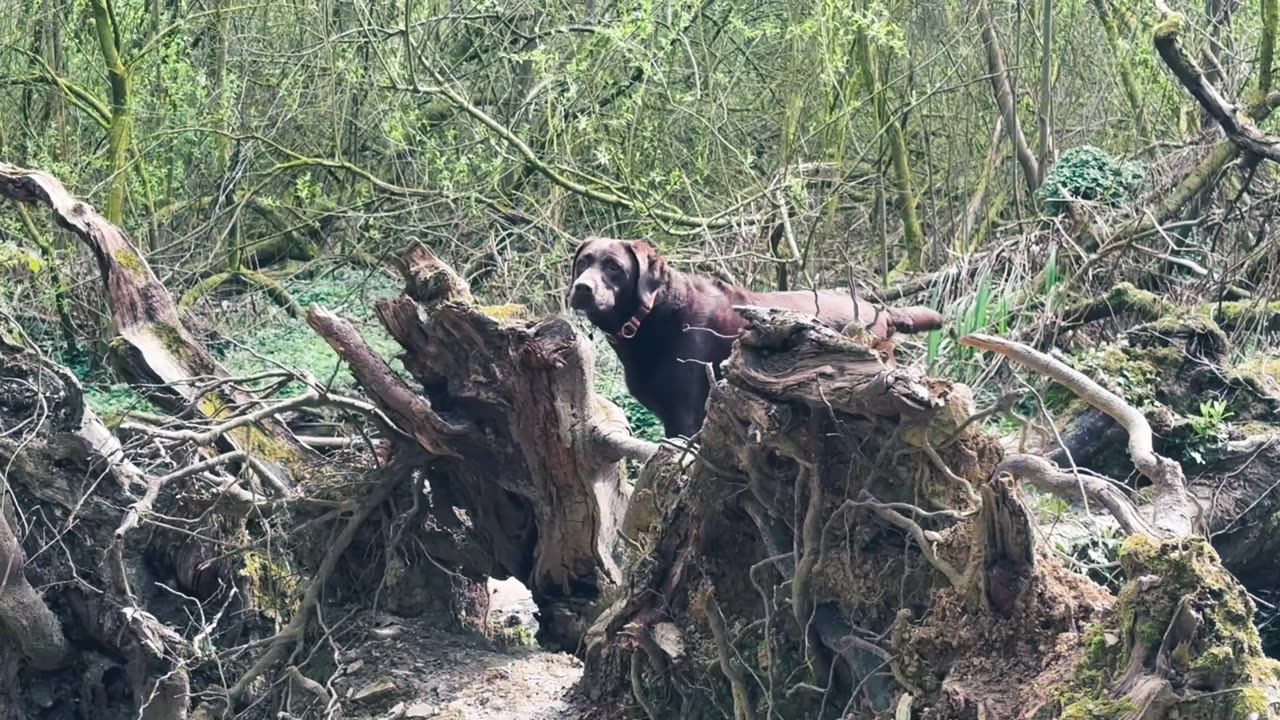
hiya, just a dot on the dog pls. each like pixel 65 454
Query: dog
pixel 667 326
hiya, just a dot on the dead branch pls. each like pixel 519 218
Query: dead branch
pixel 1171 507
pixel 1242 132
pixel 406 409
pixel 1047 476
pixel 311 597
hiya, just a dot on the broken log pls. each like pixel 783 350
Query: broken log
pixel 155 350
pixel 514 432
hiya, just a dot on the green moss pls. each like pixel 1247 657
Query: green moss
pixel 1097 710
pixel 1142 303
pixel 1135 376
pixel 1265 368
pixel 505 313
pixel 273 586
pixel 513 637
pixel 171 337
pixel 1233 314
pixel 1135 552
pixel 1170 27
pixel 1226 649
pixel 202 289
pixel 1249 703
pixel 131 262
pixel 212 406
pixel 1216 661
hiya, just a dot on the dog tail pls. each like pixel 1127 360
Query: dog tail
pixel 915 320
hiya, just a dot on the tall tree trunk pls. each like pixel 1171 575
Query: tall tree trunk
pixel 912 235
pixel 1121 54
pixel 1002 89
pixel 1267 46
pixel 107 29
pixel 1044 153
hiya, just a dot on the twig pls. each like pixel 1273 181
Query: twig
pixel 297 625
pixel 917 533
pixel 742 709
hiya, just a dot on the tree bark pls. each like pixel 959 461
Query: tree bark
pixel 516 432
pixel 158 353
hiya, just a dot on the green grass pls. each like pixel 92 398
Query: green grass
pixel 291 343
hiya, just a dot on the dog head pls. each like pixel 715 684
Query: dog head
pixel 614 280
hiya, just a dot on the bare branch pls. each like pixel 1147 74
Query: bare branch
pixel 1172 507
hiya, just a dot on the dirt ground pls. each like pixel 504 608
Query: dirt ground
pixel 406 669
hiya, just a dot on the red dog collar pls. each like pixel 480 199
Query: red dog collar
pixel 632 326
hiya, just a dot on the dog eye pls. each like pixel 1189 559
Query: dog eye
pixel 612 266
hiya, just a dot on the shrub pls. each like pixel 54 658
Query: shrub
pixel 1087 173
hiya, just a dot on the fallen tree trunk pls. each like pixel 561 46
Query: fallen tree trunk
pixel 156 351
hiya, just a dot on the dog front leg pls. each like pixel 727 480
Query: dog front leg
pixel 686 423
pixel 685 412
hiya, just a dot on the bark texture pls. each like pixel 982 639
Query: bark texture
pixel 516 435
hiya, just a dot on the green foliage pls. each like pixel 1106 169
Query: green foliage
pixel 1098 555
pixel 1208 430
pixel 643 423
pixel 113 402
pixel 1210 425
pixel 987 310
pixel 291 343
pixel 1087 173
pixel 13 257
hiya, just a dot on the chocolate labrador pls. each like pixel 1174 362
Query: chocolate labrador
pixel 666 326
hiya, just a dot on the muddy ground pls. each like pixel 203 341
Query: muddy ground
pixel 401 668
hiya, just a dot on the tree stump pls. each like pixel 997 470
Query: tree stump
pixel 514 435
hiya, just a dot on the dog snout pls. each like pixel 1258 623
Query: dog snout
pixel 582 297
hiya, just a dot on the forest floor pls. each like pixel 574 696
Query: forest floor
pixel 398 668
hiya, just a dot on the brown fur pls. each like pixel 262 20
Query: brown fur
pixel 692 324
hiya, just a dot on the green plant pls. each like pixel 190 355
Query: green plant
pixel 1210 425
pixel 1208 429
pixel 1087 173
pixel 289 342
pixel 1098 555
pixel 644 424
pixel 114 402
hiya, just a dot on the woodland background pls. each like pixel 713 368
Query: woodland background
pixel 1039 170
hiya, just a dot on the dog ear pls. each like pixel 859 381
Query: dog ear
pixel 653 272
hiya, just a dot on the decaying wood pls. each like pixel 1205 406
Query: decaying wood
pixel 515 431
pixel 49 442
pixel 1173 510
pixel 158 352
pixel 22 611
